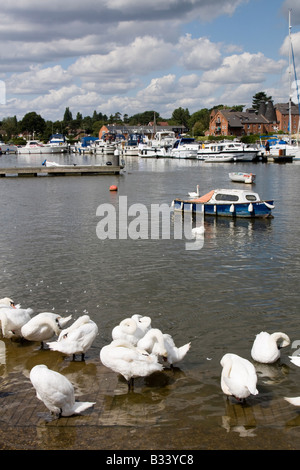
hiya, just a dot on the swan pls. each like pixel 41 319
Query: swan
pixel 43 326
pixel 12 319
pixel 162 344
pixel 77 338
pixel 143 325
pixel 195 194
pixel 56 391
pixel 198 230
pixel 124 358
pixel 126 329
pixel 238 376
pixel 266 347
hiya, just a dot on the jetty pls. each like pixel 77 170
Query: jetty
pixel 68 170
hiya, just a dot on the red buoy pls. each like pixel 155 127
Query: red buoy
pixel 113 188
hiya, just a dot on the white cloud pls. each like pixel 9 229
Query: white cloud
pixel 199 53
pixel 246 68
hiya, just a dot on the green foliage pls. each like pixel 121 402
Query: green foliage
pixel 258 97
pixel 32 123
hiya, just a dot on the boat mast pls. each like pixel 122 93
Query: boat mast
pixel 290 77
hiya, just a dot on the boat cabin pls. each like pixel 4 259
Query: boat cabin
pixel 219 196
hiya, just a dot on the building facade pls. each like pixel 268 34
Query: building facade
pixel 267 120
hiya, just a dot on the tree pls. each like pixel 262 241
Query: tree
pixel 258 97
pixel 33 123
pixel 181 116
pixel 10 125
pixel 67 116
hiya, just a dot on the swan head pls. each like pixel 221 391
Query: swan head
pixel 284 340
pixel 7 302
pixel 128 325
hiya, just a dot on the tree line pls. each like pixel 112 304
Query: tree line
pixel 35 125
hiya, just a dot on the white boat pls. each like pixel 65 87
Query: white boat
pixel 58 140
pixel 164 139
pixel 8 148
pixel 185 147
pixel 154 152
pixel 281 148
pixel 36 147
pixel 237 150
pixel 240 177
pixel 102 147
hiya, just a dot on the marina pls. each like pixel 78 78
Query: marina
pixel 242 281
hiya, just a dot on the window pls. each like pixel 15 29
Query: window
pixel 226 197
pixel 250 197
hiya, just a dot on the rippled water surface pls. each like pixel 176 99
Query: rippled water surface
pixel 244 280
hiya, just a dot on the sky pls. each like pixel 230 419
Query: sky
pixel 131 56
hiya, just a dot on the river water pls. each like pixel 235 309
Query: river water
pixel 243 280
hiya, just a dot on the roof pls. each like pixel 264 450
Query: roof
pixel 283 108
pixel 239 118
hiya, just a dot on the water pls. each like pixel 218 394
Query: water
pixel 244 280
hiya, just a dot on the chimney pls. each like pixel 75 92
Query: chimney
pixel 270 113
pixel 262 108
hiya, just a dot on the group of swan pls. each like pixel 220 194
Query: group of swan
pixel 52 388
pixel 239 378
pixel 76 339
pixel 136 349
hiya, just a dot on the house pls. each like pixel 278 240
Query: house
pixel 282 114
pixel 239 123
pixel 267 120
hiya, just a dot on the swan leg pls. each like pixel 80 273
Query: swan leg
pixel 130 384
pixel 82 356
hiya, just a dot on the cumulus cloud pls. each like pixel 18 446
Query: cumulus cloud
pixel 124 56
pixel 246 68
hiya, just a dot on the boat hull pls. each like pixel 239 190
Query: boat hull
pixel 252 209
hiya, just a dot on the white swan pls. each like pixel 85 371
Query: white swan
pixel 266 347
pixel 43 326
pixel 238 376
pixel 143 325
pixel 195 194
pixel 56 391
pixel 124 358
pixel 77 338
pixel 12 319
pixel 126 329
pixel 162 344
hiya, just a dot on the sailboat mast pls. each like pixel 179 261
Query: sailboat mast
pixel 290 76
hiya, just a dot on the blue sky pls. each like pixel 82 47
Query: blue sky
pixel 129 56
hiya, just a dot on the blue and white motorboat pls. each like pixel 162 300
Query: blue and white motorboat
pixel 226 202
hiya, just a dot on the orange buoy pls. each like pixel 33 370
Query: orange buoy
pixel 113 188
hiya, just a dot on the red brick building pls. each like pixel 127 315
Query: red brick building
pixel 268 119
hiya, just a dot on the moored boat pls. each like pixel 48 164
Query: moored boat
pixel 240 177
pixel 237 150
pixel 36 147
pixel 227 202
